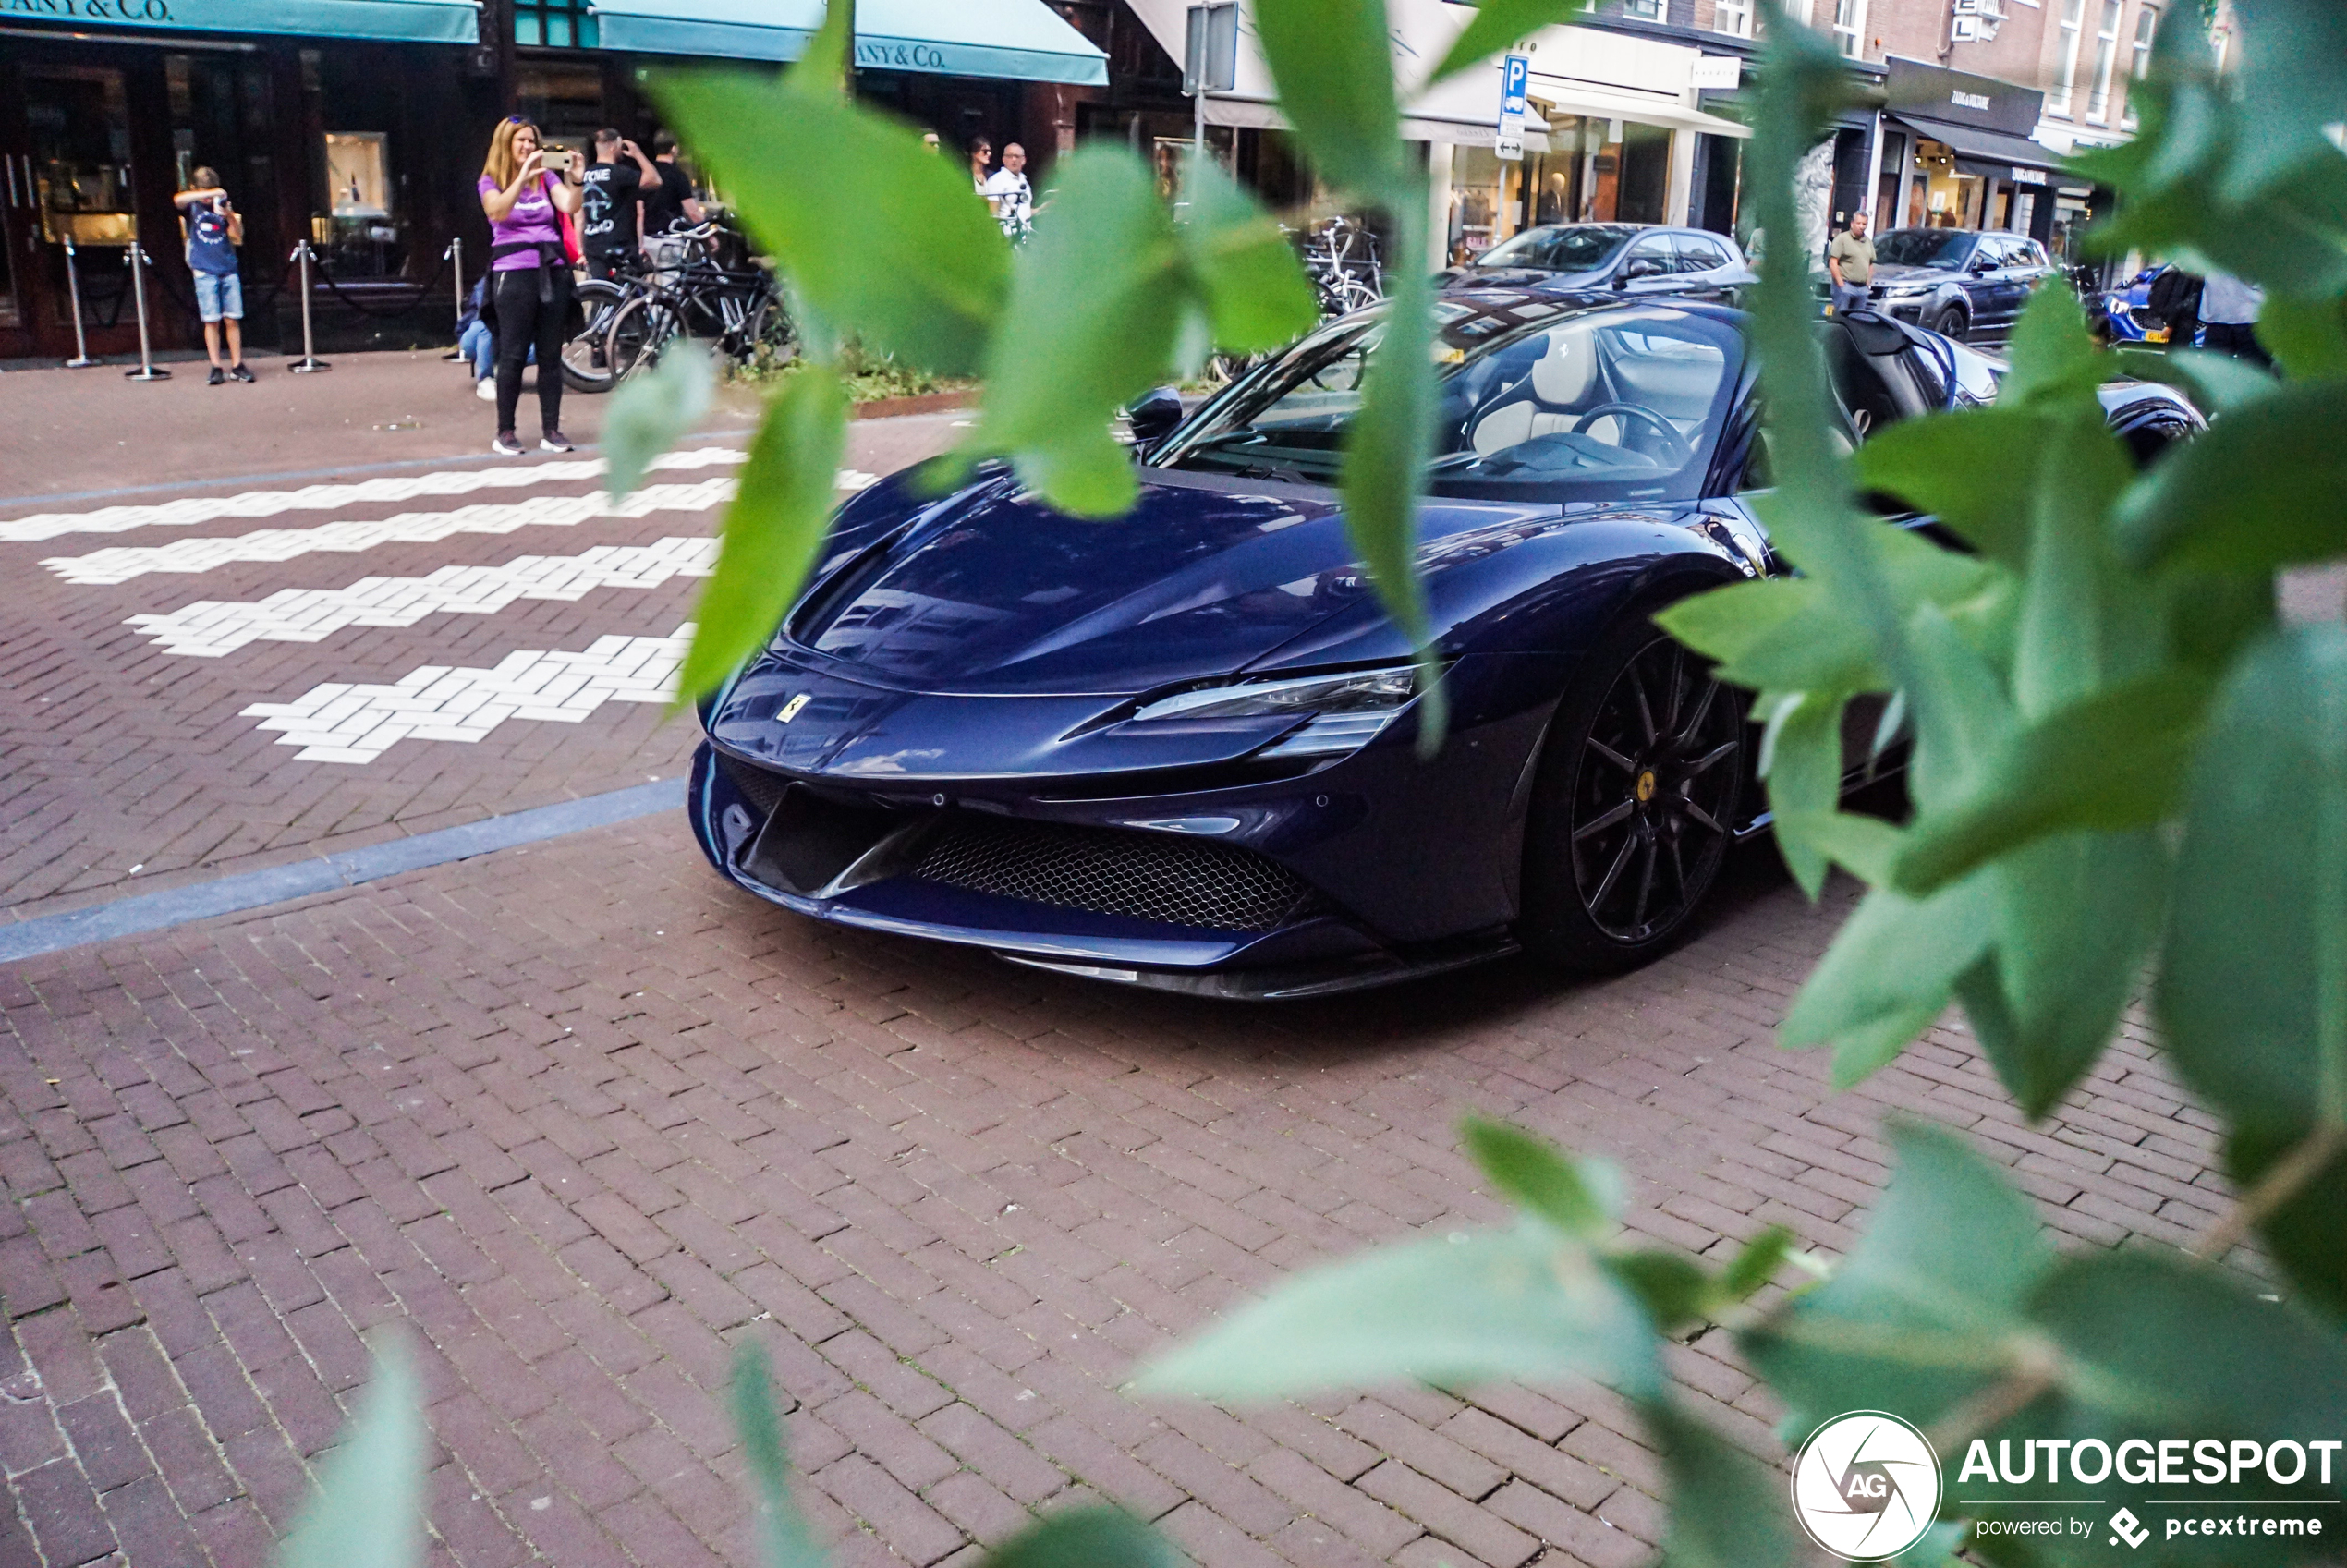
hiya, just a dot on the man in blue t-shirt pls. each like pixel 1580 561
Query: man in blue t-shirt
pixel 214 229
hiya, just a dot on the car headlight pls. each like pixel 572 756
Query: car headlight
pixel 1346 710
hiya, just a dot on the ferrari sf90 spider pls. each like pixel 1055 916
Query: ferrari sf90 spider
pixel 1179 748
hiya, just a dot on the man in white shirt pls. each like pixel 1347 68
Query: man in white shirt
pixel 1008 193
pixel 2229 309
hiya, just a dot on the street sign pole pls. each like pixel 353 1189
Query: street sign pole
pixel 1515 81
pixel 1209 62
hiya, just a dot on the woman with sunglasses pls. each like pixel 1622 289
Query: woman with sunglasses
pixel 529 289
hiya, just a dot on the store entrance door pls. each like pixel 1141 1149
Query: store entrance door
pixel 69 151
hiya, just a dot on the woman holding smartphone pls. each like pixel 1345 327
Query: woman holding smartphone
pixel 529 294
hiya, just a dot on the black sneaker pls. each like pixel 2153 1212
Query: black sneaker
pixel 507 445
pixel 555 441
pixel 217 376
pixel 241 372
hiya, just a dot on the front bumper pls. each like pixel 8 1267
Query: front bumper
pixel 1373 869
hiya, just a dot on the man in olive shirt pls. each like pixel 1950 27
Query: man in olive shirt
pixel 1851 260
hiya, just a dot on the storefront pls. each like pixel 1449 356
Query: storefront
pixel 320 117
pixel 1958 155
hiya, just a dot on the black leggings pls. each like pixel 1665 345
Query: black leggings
pixel 523 323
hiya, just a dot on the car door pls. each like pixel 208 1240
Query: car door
pixel 1649 266
pixel 1703 265
pixel 2006 282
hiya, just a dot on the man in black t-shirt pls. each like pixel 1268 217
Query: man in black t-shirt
pixel 668 190
pixel 610 224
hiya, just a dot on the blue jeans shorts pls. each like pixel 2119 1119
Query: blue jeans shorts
pixel 218 295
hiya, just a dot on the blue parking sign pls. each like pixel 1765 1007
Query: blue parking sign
pixel 1516 78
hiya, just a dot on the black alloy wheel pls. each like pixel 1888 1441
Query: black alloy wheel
pixel 1634 806
pixel 1950 322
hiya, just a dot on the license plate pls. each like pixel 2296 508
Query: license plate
pixel 2157 334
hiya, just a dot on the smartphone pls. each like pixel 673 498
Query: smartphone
pixel 556 162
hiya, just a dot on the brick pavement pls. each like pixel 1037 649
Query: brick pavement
pixel 580 1117
pixel 151 634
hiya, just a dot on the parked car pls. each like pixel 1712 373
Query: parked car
pixel 2120 315
pixel 1962 284
pixel 1179 750
pixel 1629 258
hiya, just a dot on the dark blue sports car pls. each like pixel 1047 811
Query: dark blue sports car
pixel 1178 749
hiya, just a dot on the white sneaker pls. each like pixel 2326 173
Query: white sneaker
pixel 506 445
pixel 555 441
pixel 486 389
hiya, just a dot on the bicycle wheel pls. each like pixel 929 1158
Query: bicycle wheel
pixel 585 364
pixel 640 332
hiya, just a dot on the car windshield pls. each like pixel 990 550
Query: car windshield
pixel 1535 403
pixel 1564 248
pixel 1943 249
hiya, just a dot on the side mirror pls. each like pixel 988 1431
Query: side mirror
pixel 1154 414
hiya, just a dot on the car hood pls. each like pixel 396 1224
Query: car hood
pixel 995 592
pixel 1893 277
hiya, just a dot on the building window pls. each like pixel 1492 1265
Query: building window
pixel 2066 71
pixel 555 24
pixel 1643 10
pixel 1732 18
pixel 2106 52
pixel 1849 22
pixel 2147 23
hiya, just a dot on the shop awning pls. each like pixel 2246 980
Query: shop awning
pixel 1010 40
pixel 410 21
pixel 1981 151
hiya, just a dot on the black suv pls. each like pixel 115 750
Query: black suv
pixel 1962 283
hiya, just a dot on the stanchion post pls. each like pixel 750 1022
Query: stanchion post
pixel 80 360
pixel 137 260
pixel 308 360
pixel 456 270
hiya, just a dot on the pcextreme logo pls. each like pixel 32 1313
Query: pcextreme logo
pixel 1866 1485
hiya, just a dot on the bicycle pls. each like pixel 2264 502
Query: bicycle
pixel 1341 257
pixel 739 306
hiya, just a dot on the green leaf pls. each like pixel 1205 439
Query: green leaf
pixel 2308 336
pixel 1392 439
pixel 2216 382
pixel 2075 917
pixel 369 1511
pixel 1496 25
pixel 1864 847
pixel 1778 634
pixel 2112 762
pixel 1756 1263
pixel 1086 1537
pixel 1929 1307
pixel 1726 1511
pixel 2260 491
pixel 880 237
pixel 1580 1198
pixel 1801 760
pixel 1333 64
pixel 1257 296
pixel 2052 354
pixel 1961 467
pixel 783 1538
pixel 651 413
pixel 2292 84
pixel 824 66
pixel 1472 1306
pixel 2252 987
pixel 1890 974
pixel 773 528
pixel 1673 1288
pixel 1095 307
pixel 2082 622
pixel 1962 717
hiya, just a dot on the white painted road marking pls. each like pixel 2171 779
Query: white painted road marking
pixel 338 723
pixel 210 628
pixel 188 511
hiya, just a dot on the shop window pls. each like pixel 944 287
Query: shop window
pixel 360 235
pixel 2106 53
pixel 554 24
pixel 1849 27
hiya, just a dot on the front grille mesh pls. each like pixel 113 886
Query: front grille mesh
pixel 1144 876
pixel 762 789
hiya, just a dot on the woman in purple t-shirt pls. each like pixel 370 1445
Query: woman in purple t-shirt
pixel 529 276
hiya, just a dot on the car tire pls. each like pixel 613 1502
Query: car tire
pixel 1951 321
pixel 1634 807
